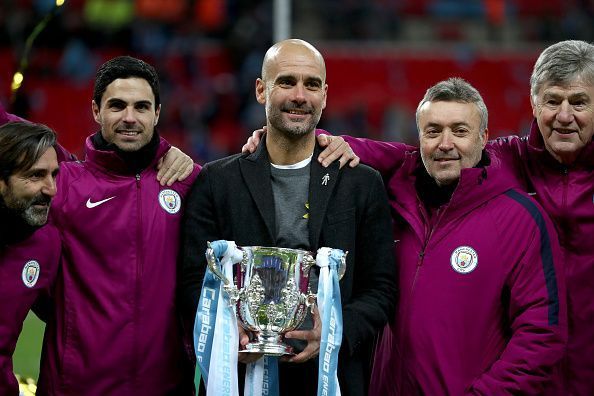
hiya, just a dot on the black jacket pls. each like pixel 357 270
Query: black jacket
pixel 232 199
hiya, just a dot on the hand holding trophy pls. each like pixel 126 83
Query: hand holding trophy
pixel 268 290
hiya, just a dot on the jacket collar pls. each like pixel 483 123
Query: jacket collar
pixel 475 187
pixel 14 229
pixel 322 182
pixel 255 169
pixel 110 161
pixel 536 147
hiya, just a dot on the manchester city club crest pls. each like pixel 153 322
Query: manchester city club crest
pixel 31 272
pixel 464 259
pixel 170 201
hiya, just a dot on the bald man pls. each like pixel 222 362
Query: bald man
pixel 278 196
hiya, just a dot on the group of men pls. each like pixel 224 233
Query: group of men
pixel 466 285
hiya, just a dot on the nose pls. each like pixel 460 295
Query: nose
pixel 565 114
pixel 49 186
pixel 129 115
pixel 446 143
pixel 299 93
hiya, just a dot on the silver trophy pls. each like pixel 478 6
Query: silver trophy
pixel 270 292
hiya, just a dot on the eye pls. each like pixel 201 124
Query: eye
pixel 143 106
pixel 579 104
pixel 285 82
pixel 313 85
pixel 116 106
pixel 551 102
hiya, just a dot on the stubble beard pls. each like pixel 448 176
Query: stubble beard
pixel 293 130
pixel 25 209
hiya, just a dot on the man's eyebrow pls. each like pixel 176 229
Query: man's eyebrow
pixel 113 101
pixel 314 79
pixel 282 77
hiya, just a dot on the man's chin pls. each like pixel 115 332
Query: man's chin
pixel 446 179
pixel 36 217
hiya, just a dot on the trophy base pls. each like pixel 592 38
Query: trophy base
pixel 268 348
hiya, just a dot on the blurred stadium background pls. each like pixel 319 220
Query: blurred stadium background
pixel 381 56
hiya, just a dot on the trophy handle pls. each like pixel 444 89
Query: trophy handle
pixel 212 264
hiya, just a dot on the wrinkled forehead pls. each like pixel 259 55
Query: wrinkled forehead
pixel 574 86
pixel 448 113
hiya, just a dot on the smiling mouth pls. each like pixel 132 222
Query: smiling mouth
pixel 446 159
pixel 564 131
pixel 297 112
pixel 128 133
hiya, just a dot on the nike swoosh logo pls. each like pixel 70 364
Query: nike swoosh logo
pixel 91 205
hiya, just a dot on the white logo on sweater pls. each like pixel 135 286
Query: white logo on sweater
pixel 464 259
pixel 91 205
pixel 30 273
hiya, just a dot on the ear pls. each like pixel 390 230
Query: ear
pixel 95 109
pixel 157 112
pixel 533 105
pixel 325 96
pixel 260 91
pixel 485 137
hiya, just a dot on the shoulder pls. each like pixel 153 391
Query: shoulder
pixel 507 146
pixel 361 171
pixel 226 163
pixel 521 213
pixel 44 242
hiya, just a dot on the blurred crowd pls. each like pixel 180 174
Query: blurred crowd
pixel 208 54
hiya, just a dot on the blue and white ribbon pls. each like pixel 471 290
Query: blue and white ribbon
pixel 261 377
pixel 329 261
pixel 216 341
pixel 216 337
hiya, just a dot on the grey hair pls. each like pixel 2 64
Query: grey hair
pixel 456 89
pixel 562 63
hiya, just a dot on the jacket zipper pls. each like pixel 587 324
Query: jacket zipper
pixel 420 259
pixel 565 185
pixel 139 263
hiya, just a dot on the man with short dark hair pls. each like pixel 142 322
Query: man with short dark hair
pixel 116 328
pixel 29 249
pixel 482 299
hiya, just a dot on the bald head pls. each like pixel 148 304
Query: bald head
pixel 293 89
pixel 294 50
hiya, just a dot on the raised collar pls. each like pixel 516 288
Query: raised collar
pixel 111 162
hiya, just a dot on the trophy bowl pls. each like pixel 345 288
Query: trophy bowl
pixel 270 292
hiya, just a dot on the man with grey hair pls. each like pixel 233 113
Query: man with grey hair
pixel 554 164
pixel 482 307
pixel 29 251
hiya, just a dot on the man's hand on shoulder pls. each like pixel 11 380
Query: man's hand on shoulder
pixel 336 149
pixel 253 141
pixel 174 166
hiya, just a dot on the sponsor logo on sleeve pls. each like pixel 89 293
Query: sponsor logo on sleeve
pixel 31 272
pixel 464 259
pixel 170 201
